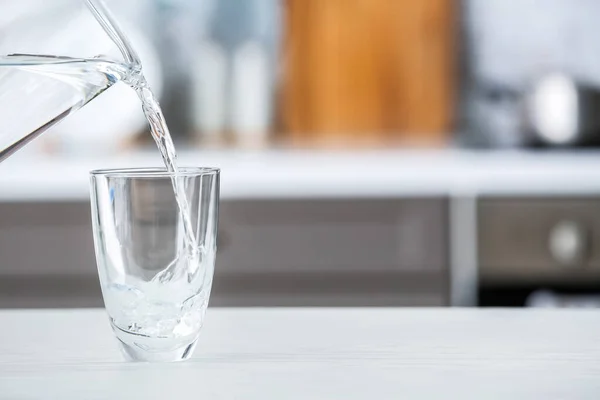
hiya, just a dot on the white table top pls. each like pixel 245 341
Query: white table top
pixel 314 354
pixel 280 173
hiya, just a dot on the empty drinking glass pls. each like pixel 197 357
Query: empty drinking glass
pixel 155 274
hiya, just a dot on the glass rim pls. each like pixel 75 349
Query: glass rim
pixel 154 172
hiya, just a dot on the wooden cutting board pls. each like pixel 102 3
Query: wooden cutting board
pixel 368 70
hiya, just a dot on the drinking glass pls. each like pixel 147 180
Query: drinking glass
pixel 155 281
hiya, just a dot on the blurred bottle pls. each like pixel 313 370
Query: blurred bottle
pixel 251 108
pixel 208 95
pixel 234 70
pixel 173 30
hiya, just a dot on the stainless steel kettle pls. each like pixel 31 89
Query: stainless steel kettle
pixel 562 111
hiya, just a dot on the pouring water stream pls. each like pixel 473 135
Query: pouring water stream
pixel 158 127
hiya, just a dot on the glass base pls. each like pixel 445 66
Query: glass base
pixel 134 353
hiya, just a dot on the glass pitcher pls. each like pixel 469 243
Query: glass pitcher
pixel 55 57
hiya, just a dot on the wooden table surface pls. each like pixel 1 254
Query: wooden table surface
pixel 313 354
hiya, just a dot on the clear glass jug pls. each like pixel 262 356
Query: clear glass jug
pixel 55 57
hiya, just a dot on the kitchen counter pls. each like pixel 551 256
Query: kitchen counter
pixel 328 174
pixel 314 353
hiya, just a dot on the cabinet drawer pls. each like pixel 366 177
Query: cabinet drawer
pixel 332 235
pixel 46 239
pixel 332 289
pixel 555 239
pixel 271 253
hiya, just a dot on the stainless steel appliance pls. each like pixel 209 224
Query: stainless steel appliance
pixel 539 251
pixel 558 110
pixel 510 96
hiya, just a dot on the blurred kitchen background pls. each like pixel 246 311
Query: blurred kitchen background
pixel 373 153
